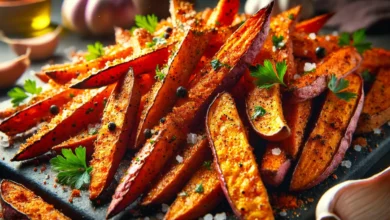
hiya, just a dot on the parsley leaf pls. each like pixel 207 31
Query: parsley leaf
pixel 216 64
pixel 368 78
pixel 337 86
pixel 291 16
pixel 278 41
pixel 259 111
pixel 266 76
pixel 94 51
pixel 72 167
pixel 160 73
pixel 358 40
pixel 148 22
pixel 207 164
pixel 199 188
pixel 18 95
pixel 156 41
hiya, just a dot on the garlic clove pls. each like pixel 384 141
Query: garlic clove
pixel 99 16
pixel 73 15
pixel 42 47
pixel 357 199
pixel 10 71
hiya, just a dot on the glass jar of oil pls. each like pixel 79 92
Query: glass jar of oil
pixel 24 17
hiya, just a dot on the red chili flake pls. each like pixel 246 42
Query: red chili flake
pixel 35 169
pixel 43 168
pixel 335 176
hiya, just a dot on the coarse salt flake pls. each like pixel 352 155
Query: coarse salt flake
pixel 312 36
pixel 273 48
pixel 297 76
pixel 160 216
pixel 283 213
pixel 377 131
pixel 179 159
pixel 192 138
pixel 276 151
pixel 220 216
pixel 208 217
pixel 346 164
pixel 309 67
pixel 164 207
pixel 327 38
pixel 281 44
pixel 335 33
pixel 357 148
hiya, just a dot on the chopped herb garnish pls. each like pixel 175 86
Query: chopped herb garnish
pixel 156 41
pixel 137 159
pixel 266 75
pixel 337 86
pixel 199 188
pixel 358 40
pixel 152 141
pixel 92 131
pixel 72 167
pixel 291 16
pixel 207 164
pixel 71 95
pixel 18 95
pixel 147 22
pixel 94 51
pixel 368 77
pixel 278 41
pixel 216 64
pixel 160 73
pixel 217 23
pixel 259 111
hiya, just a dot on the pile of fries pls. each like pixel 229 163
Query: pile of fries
pixel 185 97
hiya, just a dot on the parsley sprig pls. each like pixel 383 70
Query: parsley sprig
pixel 18 95
pixel 259 111
pixel 358 40
pixel 337 87
pixel 94 51
pixel 148 22
pixel 72 167
pixel 161 73
pixel 207 164
pixel 216 64
pixel 156 41
pixel 266 75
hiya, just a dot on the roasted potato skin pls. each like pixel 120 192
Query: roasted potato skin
pixel 313 25
pixel 196 205
pixel 376 109
pixel 331 137
pixel 235 162
pixel 18 202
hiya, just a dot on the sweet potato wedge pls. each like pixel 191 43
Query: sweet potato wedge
pixel 235 161
pixel 273 126
pixel 374 59
pixel 306 48
pixel 177 175
pixel 18 202
pixel 376 109
pixel 331 137
pixel 239 49
pixel 192 204
pixel 85 109
pixel 85 138
pixel 274 165
pixel 162 96
pixel 39 112
pixel 146 62
pixel 63 73
pixel 181 11
pixel 278 156
pixel 313 25
pixel 110 146
pixel 224 13
pixel 341 63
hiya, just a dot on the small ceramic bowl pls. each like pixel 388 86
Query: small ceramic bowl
pixel 367 199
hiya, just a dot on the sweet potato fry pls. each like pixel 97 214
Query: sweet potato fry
pixel 313 25
pixel 177 175
pixel 63 73
pixel 144 63
pixel 42 76
pixel 375 59
pixel 85 138
pixel 85 109
pixel 275 165
pixel 163 96
pixel 376 109
pixel 192 204
pixel 110 146
pixel 39 112
pixel 341 63
pixel 224 13
pixel 306 48
pixel 146 81
pixel 331 137
pixel 239 49
pixel 18 202
pixel 235 161
pixel 273 126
